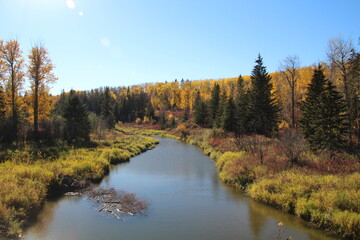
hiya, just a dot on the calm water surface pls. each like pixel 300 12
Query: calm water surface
pixel 187 201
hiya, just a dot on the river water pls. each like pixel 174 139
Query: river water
pixel 187 201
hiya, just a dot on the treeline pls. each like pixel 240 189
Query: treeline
pixel 107 106
pixel 261 103
pixel 323 99
pixel 33 114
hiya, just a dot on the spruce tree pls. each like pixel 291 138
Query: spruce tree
pixel 310 106
pixel 200 117
pixel 221 110
pixel 186 114
pixel 150 112
pixel 214 103
pixel 324 121
pixel 263 106
pixel 163 122
pixel 77 124
pixel 107 108
pixel 228 119
pixel 241 106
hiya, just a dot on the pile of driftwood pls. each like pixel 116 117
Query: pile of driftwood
pixel 113 202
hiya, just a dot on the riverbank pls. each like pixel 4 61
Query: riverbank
pixel 321 189
pixel 28 176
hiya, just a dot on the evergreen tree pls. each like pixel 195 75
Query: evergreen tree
pixel 107 108
pixel 263 106
pixel 214 103
pixel 150 112
pixel 186 114
pixel 221 109
pixel 324 121
pixel 173 122
pixel 310 106
pixel 199 110
pixel 163 122
pixel 77 124
pixel 241 106
pixel 228 119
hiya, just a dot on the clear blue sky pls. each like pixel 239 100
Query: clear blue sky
pixel 97 43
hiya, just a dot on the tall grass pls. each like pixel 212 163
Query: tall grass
pixel 25 177
pixel 146 132
pixel 330 201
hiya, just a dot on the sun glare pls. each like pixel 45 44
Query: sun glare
pixel 70 4
pixel 105 42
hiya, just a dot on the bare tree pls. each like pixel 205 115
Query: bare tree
pixel 40 72
pixel 289 70
pixel 292 144
pixel 13 77
pixel 340 52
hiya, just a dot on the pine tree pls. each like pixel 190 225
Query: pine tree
pixel 228 119
pixel 200 110
pixel 221 110
pixel 77 124
pixel 214 103
pixel 324 121
pixel 263 106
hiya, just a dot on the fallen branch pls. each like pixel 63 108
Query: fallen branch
pixel 116 203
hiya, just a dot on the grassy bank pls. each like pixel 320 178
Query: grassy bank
pixel 322 188
pixel 27 176
pixel 139 130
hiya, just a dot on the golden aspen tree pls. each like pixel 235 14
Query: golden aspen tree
pixel 40 72
pixel 13 77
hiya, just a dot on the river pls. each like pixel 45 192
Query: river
pixel 187 201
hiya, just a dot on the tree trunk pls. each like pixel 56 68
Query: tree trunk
pixel 13 105
pixel 293 105
pixel 36 110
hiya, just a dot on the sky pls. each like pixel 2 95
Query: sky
pixel 96 43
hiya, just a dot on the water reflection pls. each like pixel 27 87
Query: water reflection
pixel 187 202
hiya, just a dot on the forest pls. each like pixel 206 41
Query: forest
pixel 290 138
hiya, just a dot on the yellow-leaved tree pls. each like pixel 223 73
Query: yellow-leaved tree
pixel 40 72
pixel 13 79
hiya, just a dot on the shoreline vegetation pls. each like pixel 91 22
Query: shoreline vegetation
pixel 29 175
pixel 290 139
pixel 325 194
pixel 321 188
